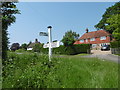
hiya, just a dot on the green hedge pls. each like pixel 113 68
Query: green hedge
pixel 115 44
pixel 70 50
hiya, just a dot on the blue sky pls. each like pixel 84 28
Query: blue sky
pixel 62 16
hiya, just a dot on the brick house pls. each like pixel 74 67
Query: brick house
pixel 95 38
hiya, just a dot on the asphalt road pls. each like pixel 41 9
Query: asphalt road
pixel 110 57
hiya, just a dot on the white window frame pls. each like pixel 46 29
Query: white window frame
pixel 92 39
pixel 103 38
pixel 82 40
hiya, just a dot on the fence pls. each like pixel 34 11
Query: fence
pixel 115 50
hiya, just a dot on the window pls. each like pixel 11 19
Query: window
pixel 94 45
pixel 103 38
pixel 86 40
pixel 81 40
pixel 92 39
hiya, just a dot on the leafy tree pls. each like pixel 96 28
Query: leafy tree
pixel 15 46
pixel 8 9
pixel 24 46
pixel 114 24
pixel 69 38
pixel 105 21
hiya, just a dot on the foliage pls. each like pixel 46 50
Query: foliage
pixel 8 9
pixel 115 44
pixel 69 38
pixel 114 24
pixel 24 46
pixel 108 15
pixel 72 50
pixel 30 70
pixel 69 50
pixel 15 46
pixel 20 50
pixel 37 47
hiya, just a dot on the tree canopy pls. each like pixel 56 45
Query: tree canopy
pixel 24 46
pixel 69 38
pixel 113 10
pixel 15 46
pixel 7 10
pixel 110 21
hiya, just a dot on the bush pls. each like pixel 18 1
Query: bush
pixel 72 50
pixel 115 44
pixel 66 50
pixel 20 50
pixel 82 48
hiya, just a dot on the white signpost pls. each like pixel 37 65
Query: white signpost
pixel 51 44
pixel 50 40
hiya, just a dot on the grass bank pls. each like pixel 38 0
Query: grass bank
pixel 31 70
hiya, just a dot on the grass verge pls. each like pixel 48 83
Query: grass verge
pixel 31 70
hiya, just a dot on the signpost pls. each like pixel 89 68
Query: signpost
pixel 43 34
pixel 51 44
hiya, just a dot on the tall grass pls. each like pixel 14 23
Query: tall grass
pixel 30 70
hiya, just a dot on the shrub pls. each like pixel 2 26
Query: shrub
pixel 72 50
pixel 20 50
pixel 115 44
pixel 66 50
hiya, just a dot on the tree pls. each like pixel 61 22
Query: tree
pixel 24 46
pixel 69 38
pixel 15 46
pixel 114 24
pixel 8 9
pixel 113 10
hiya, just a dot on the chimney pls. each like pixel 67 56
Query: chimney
pixel 36 40
pixel 86 30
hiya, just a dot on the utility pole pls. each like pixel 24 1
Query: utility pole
pixel 50 41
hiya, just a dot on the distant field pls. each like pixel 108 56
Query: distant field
pixel 31 70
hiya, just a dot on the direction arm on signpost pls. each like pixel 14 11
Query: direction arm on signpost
pixel 43 34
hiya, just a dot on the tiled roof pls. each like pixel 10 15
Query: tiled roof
pixel 32 45
pixel 94 34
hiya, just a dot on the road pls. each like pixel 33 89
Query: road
pixel 104 55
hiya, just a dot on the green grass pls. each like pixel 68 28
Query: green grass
pixel 117 54
pixel 31 70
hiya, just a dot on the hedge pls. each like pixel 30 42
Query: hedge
pixel 70 50
pixel 115 44
pixel 115 47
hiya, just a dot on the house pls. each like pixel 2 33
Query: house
pixel 31 45
pixel 95 38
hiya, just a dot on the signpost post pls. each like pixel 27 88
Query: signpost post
pixel 50 40
pixel 51 44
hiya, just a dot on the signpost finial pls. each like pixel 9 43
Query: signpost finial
pixel 49 27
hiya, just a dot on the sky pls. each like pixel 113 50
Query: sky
pixel 35 17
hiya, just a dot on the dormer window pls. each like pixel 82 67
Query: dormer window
pixel 81 40
pixel 103 38
pixel 92 39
